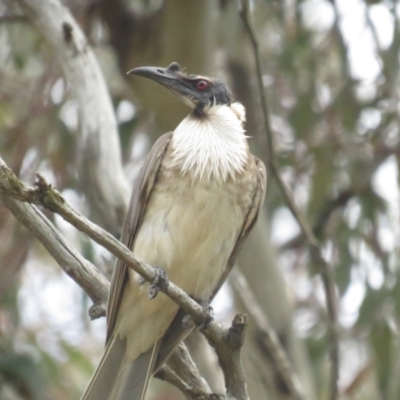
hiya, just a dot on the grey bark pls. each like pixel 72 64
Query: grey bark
pixel 101 174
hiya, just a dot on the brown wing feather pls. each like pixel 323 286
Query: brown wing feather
pixel 251 219
pixel 140 194
pixel 176 333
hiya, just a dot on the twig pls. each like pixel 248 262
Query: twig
pixel 266 140
pixel 361 183
pixel 47 196
pixel 206 360
pixel 85 274
pixel 226 342
pixel 315 251
pixel 182 372
pixel 268 336
pixel 166 374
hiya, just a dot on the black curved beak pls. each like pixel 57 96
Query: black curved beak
pixel 173 79
pixel 169 77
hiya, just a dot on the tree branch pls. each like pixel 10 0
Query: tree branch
pixel 182 372
pixel 268 336
pixel 99 155
pixel 315 250
pixel 226 342
pixel 85 274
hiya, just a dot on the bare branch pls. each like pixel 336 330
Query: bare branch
pixel 99 154
pixel 361 182
pixel 315 251
pixel 226 342
pixel 206 361
pixel 268 336
pixel 168 375
pixel 182 372
pixel 47 196
pixel 182 363
pixel 73 264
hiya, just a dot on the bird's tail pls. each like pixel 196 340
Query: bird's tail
pixel 116 378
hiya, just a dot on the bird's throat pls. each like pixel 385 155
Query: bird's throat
pixel 211 146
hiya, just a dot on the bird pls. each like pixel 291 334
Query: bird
pixel 195 200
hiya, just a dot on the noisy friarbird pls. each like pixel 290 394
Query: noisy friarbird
pixel 196 199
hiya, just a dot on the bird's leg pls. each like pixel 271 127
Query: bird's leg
pixel 160 283
pixel 188 322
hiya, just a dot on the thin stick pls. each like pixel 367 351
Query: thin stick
pixel 315 250
pixel 268 336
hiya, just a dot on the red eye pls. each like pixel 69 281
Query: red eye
pixel 202 85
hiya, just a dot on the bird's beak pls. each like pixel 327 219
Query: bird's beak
pixel 173 79
pixel 168 77
pixel 155 73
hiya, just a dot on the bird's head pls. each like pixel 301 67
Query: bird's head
pixel 196 91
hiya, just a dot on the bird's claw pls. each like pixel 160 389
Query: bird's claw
pixel 208 315
pixel 188 321
pixel 160 283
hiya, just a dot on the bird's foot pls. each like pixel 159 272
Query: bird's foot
pixel 188 322
pixel 160 283
pixel 208 315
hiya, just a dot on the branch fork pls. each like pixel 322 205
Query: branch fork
pixel 226 342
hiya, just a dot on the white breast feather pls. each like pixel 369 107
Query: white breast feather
pixel 212 146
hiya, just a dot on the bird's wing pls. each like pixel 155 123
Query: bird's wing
pixel 117 377
pixel 176 332
pixel 251 219
pixel 140 194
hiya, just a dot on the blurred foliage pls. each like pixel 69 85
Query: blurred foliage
pixel 333 95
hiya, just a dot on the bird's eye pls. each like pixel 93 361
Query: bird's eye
pixel 202 85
